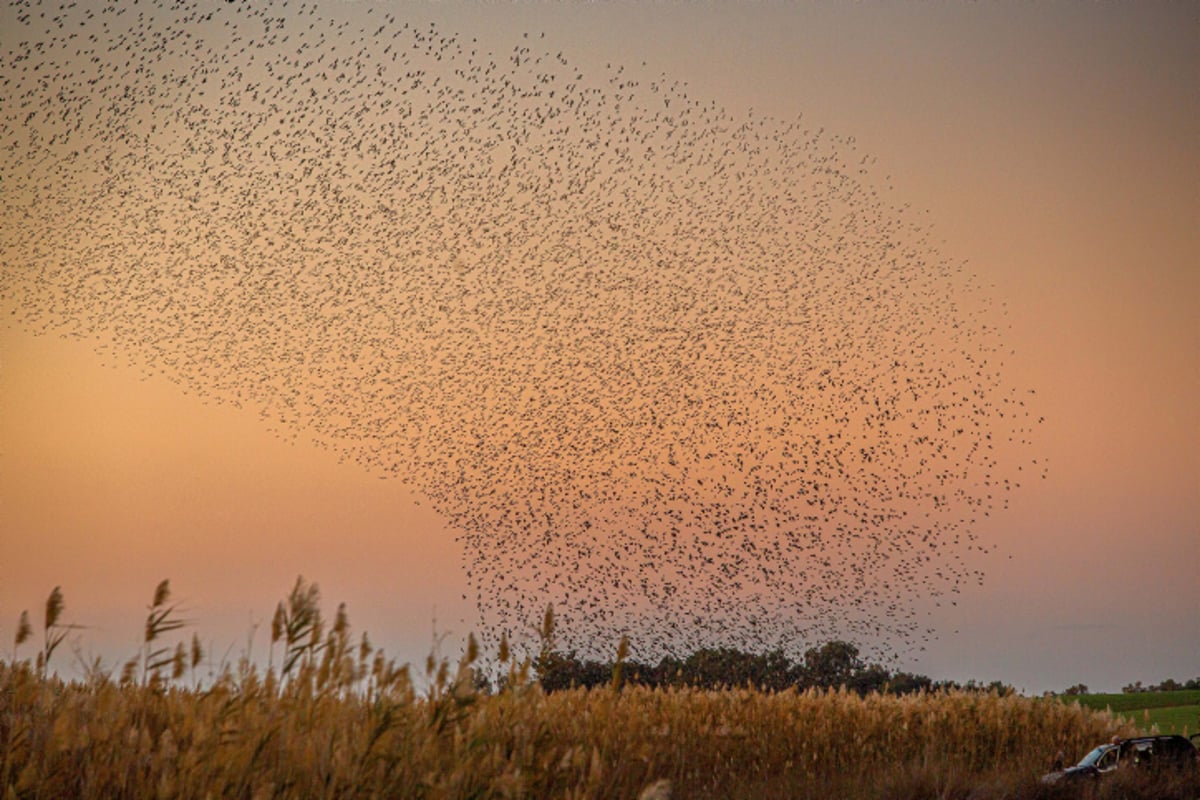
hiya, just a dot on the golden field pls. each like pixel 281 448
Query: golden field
pixel 255 737
pixel 331 719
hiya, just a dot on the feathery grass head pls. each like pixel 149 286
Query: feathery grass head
pixel 161 620
pixel 197 651
pixel 341 621
pixel 129 671
pixel 162 593
pixel 548 626
pixel 54 607
pixel 278 622
pixel 178 662
pixel 54 633
pixel 618 667
pixel 300 624
pixel 24 630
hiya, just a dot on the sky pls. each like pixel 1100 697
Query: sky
pixel 1051 149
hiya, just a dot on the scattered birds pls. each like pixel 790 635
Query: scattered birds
pixel 686 375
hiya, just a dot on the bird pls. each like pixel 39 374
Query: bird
pixel 683 373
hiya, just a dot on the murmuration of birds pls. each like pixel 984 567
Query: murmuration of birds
pixel 687 375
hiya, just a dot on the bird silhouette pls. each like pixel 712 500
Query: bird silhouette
pixel 690 375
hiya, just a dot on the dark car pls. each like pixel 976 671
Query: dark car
pixel 1149 753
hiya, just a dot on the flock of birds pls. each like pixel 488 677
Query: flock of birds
pixel 685 374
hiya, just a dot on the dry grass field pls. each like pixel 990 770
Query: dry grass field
pixel 328 718
pixel 316 735
pixel 333 719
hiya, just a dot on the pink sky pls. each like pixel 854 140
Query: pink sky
pixel 1054 149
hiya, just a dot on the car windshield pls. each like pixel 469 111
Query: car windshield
pixel 1093 758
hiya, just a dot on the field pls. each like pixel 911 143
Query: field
pixel 360 729
pixel 1171 712
pixel 328 718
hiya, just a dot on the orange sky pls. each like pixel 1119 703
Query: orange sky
pixel 1054 150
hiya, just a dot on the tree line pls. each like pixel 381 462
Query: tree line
pixel 832 665
pixel 1169 685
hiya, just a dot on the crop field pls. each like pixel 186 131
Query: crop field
pixel 336 719
pixel 329 717
pixel 355 728
pixel 1175 719
pixel 1170 712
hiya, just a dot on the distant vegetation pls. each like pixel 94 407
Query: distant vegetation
pixel 1169 685
pixel 833 665
pixel 331 716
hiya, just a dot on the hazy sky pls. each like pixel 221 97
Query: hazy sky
pixel 1053 148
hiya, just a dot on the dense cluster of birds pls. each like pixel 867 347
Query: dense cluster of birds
pixel 687 375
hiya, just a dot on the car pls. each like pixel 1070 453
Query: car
pixel 1151 753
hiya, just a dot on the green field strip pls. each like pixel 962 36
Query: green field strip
pixel 1136 701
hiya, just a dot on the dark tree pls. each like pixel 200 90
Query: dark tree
pixel 831 665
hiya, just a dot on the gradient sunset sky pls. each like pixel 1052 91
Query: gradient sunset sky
pixel 1053 148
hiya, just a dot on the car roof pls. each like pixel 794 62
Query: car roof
pixel 1166 743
